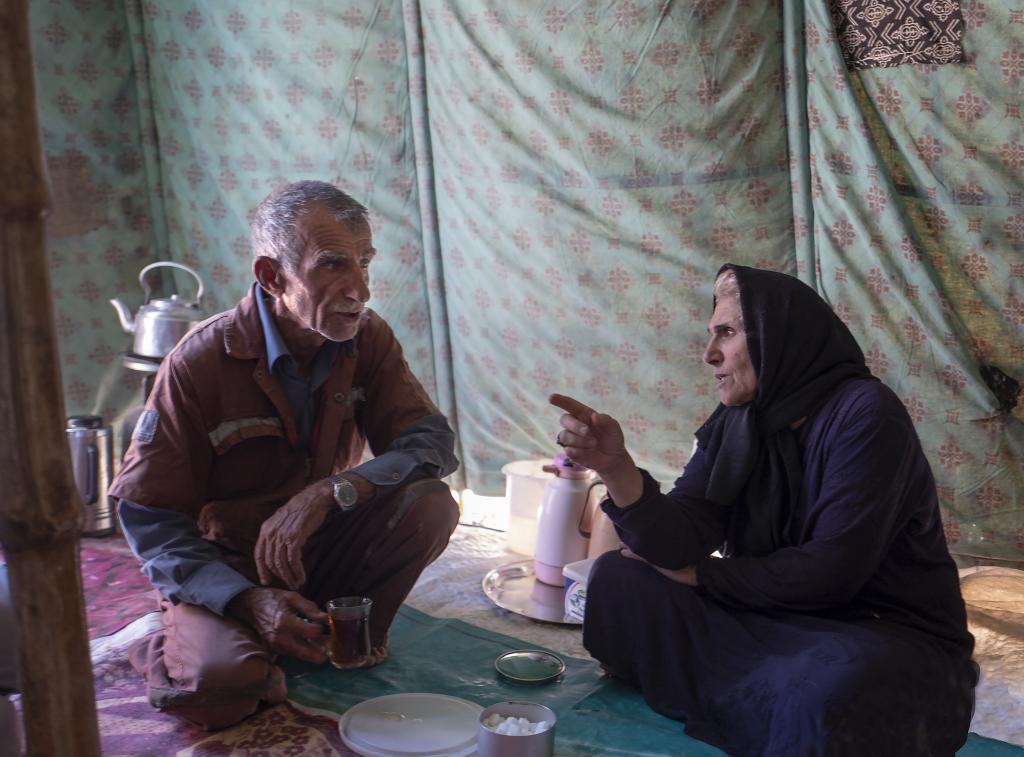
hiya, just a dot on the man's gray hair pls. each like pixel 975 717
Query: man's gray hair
pixel 273 224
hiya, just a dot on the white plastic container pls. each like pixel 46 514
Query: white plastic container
pixel 577 574
pixel 524 489
pixel 578 571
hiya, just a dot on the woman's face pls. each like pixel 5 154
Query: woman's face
pixel 727 354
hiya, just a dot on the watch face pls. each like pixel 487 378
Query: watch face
pixel 345 493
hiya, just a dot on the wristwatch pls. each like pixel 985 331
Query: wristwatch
pixel 345 493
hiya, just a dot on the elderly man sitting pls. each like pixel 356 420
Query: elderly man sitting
pixel 242 491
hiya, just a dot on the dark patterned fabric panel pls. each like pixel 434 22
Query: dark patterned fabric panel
pixel 884 33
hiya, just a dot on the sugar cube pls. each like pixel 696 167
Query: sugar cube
pixel 513 726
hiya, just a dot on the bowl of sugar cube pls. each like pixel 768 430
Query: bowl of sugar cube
pixel 516 729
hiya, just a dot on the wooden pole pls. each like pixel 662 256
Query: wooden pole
pixel 39 505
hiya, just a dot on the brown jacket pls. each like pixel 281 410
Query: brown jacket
pixel 217 439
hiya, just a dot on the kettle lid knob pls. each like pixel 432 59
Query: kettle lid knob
pixel 564 467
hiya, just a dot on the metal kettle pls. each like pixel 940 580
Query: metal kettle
pixel 160 323
pixel 92 463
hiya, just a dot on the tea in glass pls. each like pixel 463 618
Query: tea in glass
pixel 348 620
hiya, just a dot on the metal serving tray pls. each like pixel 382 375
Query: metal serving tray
pixel 515 588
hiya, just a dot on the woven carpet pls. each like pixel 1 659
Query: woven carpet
pixel 115 591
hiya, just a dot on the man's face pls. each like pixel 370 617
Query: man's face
pixel 329 290
pixel 727 354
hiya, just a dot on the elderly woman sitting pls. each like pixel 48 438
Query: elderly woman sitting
pixel 833 623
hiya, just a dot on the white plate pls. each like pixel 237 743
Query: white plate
pixel 411 725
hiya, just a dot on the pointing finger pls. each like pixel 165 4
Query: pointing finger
pixel 574 407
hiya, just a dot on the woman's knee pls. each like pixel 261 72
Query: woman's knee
pixel 616 592
pixel 612 572
pixel 604 568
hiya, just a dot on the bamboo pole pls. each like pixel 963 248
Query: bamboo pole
pixel 39 507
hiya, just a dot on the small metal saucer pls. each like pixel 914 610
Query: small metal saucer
pixel 529 666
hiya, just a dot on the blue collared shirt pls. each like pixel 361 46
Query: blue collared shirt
pixel 302 392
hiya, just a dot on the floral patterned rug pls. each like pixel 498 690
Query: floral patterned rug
pixel 115 591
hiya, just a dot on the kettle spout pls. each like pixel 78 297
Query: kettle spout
pixel 124 315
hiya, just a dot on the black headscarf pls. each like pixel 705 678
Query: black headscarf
pixel 801 352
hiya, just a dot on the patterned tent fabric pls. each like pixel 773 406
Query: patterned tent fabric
pixel 881 33
pixel 914 234
pixel 553 186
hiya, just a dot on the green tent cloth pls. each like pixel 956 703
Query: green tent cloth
pixel 596 715
pixel 553 186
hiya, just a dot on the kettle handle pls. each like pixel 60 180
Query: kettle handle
pixel 586 509
pixel 169 264
pixel 92 463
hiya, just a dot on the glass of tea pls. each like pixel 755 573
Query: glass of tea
pixel 348 619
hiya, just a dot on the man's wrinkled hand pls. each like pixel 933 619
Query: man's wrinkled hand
pixel 287 622
pixel 283 535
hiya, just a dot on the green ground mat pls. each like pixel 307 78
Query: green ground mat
pixel 596 716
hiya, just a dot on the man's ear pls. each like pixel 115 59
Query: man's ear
pixel 267 273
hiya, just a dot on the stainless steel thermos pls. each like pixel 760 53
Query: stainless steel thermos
pixel 92 460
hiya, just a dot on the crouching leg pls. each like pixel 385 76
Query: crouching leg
pixel 208 669
pixel 380 550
